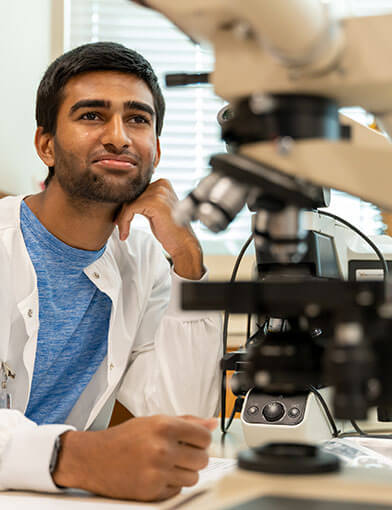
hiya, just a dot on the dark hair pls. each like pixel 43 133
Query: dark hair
pixel 100 56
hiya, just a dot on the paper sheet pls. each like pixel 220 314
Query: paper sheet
pixel 216 469
pixel 78 499
pixel 361 451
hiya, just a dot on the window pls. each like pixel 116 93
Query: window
pixel 191 132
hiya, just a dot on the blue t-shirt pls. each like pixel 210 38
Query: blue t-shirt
pixel 74 322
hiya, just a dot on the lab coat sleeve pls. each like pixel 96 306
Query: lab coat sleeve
pixel 175 367
pixel 25 452
pixel 25 448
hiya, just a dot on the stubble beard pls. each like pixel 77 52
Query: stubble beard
pixel 85 186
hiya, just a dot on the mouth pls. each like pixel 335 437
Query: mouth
pixel 113 162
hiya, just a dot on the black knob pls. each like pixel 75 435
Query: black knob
pixel 273 411
pixel 294 412
pixel 253 410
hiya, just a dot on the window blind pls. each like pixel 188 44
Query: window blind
pixel 191 132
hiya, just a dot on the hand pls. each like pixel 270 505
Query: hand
pixel 156 203
pixel 145 459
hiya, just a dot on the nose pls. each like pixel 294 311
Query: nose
pixel 115 136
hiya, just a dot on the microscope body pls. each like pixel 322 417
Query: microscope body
pixel 298 418
pixel 334 251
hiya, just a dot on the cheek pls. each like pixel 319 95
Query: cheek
pixel 148 149
pixel 79 144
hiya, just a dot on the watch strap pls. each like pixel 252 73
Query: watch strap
pixel 55 457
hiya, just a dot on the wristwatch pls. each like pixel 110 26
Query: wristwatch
pixel 55 458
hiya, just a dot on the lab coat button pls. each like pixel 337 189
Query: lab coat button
pixel 111 366
pixel 30 312
pixel 96 275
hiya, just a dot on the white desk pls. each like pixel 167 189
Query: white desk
pixel 232 443
pixel 373 486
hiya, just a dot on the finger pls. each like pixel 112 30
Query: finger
pixel 189 457
pixel 209 423
pixel 180 477
pixel 123 216
pixel 191 433
pixel 141 206
pixel 168 492
pixel 124 225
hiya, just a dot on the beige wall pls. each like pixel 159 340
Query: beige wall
pixel 30 36
pixel 220 268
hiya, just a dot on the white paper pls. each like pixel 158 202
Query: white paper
pixel 215 470
pixel 361 451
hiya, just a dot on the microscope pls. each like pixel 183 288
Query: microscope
pixel 286 67
pixel 333 251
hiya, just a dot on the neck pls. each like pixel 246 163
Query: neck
pixel 82 224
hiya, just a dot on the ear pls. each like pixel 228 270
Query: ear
pixel 44 146
pixel 157 154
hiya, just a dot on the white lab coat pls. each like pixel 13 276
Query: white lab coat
pixel 160 359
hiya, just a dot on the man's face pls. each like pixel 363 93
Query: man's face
pixel 105 147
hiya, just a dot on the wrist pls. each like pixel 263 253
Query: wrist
pixel 188 261
pixel 70 470
pixel 55 458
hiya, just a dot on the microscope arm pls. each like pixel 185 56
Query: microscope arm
pixel 296 47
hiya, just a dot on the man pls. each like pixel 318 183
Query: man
pixel 91 313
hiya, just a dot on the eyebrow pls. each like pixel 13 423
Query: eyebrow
pixel 89 103
pixel 138 105
pixel 100 103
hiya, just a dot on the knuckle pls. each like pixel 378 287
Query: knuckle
pixel 161 452
pixel 163 426
pixel 164 189
pixel 165 183
pixel 153 484
pixel 162 197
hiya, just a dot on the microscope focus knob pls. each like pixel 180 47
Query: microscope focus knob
pixel 273 411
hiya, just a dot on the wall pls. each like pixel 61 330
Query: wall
pixel 220 268
pixel 30 36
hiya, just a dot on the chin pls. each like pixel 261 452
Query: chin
pixel 105 189
pixel 116 196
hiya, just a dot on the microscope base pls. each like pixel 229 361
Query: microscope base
pixel 280 503
pixel 288 458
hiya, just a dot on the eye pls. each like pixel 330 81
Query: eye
pixel 139 119
pixel 89 116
